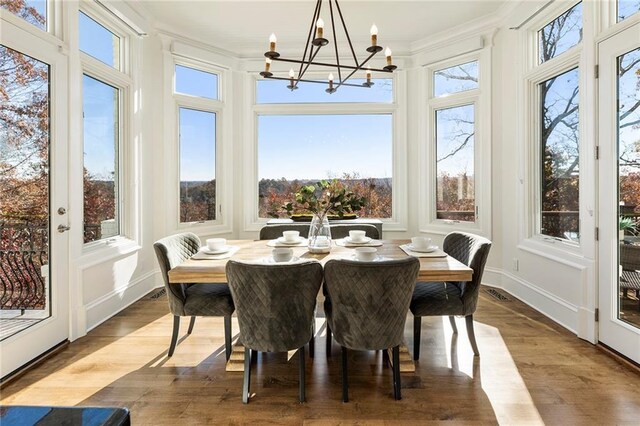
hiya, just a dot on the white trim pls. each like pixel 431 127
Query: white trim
pixel 98 311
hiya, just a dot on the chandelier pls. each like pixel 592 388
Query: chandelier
pixel 313 46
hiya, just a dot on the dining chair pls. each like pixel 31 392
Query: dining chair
pixel 271 232
pixel 452 298
pixel 207 299
pixel 366 307
pixel 275 305
pixel 342 230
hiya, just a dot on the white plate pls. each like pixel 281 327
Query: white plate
pixel 272 261
pixel 365 240
pixel 378 258
pixel 281 240
pixel 221 250
pixel 422 250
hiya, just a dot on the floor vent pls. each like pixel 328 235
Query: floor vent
pixel 497 295
pixel 158 294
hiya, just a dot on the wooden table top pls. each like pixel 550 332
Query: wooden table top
pixel 210 271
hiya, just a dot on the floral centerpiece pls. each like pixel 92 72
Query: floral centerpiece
pixel 322 199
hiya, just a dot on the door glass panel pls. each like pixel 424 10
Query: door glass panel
pixel 629 186
pixel 24 192
pixel 32 11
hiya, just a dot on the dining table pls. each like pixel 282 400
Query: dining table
pixel 204 270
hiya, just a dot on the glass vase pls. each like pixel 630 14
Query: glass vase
pixel 319 234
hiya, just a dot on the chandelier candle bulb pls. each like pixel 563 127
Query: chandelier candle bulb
pixel 368 76
pixel 374 35
pixel 319 28
pixel 267 65
pixel 387 53
pixel 272 42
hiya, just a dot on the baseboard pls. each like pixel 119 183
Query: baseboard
pixel 100 310
pixel 553 307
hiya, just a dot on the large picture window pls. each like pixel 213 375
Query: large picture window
pixel 294 150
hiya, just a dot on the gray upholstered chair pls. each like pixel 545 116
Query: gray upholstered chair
pixel 342 230
pixel 452 298
pixel 209 300
pixel 271 232
pixel 275 305
pixel 366 307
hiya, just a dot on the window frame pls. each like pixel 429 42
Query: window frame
pixel 221 108
pixel 397 110
pixel 535 74
pixel 128 196
pixel 480 98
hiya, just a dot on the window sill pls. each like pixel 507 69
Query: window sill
pixel 557 250
pixel 103 251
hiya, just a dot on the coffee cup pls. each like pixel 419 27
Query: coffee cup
pixel 421 242
pixel 214 244
pixel 357 236
pixel 282 254
pixel 366 253
pixel 291 236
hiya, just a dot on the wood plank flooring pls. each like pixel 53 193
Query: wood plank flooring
pixel 531 371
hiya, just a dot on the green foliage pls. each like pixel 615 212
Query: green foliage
pixel 626 223
pixel 322 198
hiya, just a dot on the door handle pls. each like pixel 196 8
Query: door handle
pixel 62 228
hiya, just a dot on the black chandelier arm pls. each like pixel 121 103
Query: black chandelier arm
pixel 306 46
pixel 314 81
pixel 359 67
pixel 335 40
pixel 325 64
pixel 353 52
pixel 312 55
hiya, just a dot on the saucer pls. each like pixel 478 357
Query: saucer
pixel 365 240
pixel 422 250
pixel 378 258
pixel 281 240
pixel 272 261
pixel 221 250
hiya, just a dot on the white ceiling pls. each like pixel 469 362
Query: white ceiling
pixel 243 26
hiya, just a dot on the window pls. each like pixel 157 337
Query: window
pixel 197 165
pixel 561 34
pixel 627 8
pixel 455 184
pixel 101 141
pixel 199 109
pixel 455 79
pixel 98 42
pixel 560 146
pixel 32 11
pixel 196 83
pixel 294 150
pixel 276 92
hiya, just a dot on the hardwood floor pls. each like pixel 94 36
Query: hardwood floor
pixel 531 371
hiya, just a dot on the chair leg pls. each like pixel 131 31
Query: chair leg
pixel 452 320
pixel 345 378
pixel 417 328
pixel 227 336
pixel 192 322
pixel 396 373
pixel 471 334
pixel 328 341
pixel 302 374
pixel 246 385
pixel 174 337
pixel 312 342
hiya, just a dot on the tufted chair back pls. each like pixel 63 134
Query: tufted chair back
pixel 472 250
pixel 368 301
pixel 342 230
pixel 171 251
pixel 275 304
pixel 271 232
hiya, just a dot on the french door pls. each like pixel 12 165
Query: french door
pixel 34 252
pixel 619 189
